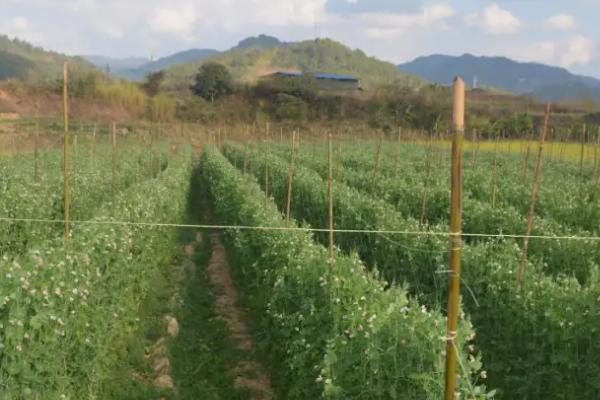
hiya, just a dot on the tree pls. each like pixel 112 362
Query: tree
pixel 212 81
pixel 154 82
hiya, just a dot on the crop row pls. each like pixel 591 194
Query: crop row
pixel 577 258
pixel 25 196
pixel 67 310
pixel 565 195
pixel 338 334
pixel 538 341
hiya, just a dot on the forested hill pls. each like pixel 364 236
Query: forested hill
pixel 21 60
pixel 248 63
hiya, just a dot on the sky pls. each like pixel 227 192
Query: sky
pixel 558 32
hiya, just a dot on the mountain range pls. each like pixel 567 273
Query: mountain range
pixel 256 56
pixel 542 81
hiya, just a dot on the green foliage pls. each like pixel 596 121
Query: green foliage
pixel 66 312
pixel 527 336
pixel 161 108
pixel 154 82
pixel 21 60
pixel 212 81
pixel 338 335
pixel 322 55
pixel 14 66
pixel 290 108
pixel 123 94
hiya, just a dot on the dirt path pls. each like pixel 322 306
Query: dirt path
pixel 250 375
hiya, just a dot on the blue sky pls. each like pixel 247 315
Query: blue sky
pixel 558 32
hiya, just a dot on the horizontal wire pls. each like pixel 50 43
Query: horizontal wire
pixel 298 229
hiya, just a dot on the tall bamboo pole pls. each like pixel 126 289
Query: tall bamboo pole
pixel 455 238
pixel 290 179
pixel 534 193
pixel 330 201
pixel 66 193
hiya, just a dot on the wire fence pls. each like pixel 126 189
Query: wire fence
pixel 298 229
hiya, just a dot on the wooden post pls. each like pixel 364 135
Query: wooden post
pixel 114 166
pixel 534 193
pixel 290 178
pixel 66 193
pixel 330 201
pixel 455 238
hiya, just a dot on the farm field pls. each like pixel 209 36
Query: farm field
pixel 364 322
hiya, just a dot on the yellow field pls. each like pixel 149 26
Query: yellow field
pixel 568 151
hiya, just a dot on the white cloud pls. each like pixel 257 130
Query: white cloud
pixel 384 25
pixel 16 26
pixel 495 21
pixel 578 50
pixel 563 22
pixel 574 51
pixel 174 21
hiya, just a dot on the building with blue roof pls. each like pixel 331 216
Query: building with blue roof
pixel 325 81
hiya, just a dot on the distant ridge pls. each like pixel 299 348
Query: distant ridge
pixel 543 81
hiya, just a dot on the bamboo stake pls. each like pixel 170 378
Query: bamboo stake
pixel 455 238
pixel 66 193
pixel 290 178
pixel 114 166
pixel 330 198
pixel 534 193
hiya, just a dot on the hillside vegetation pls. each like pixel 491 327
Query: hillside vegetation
pixel 322 55
pixel 21 60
